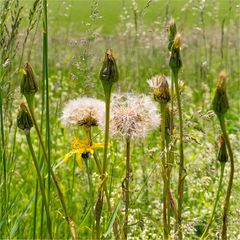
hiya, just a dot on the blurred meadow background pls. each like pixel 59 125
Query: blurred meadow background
pixel 79 32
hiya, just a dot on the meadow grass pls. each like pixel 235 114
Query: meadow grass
pixel 79 32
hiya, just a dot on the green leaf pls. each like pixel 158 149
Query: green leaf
pixel 20 219
pixel 111 220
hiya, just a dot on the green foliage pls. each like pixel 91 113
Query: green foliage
pixel 136 31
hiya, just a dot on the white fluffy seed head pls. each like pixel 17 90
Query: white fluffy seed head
pixel 133 116
pixel 83 111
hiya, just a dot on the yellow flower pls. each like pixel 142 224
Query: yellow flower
pixel 80 147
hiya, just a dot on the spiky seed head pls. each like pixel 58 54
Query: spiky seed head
pixel 83 111
pixel 160 87
pixel 28 84
pixel 222 153
pixel 132 116
pixel 172 30
pixel 24 120
pixel 175 61
pixel 109 71
pixel 220 101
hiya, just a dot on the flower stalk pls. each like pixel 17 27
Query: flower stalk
pixel 175 64
pixel 164 171
pixel 28 89
pixel 108 75
pixel 220 106
pixel 205 233
pixel 24 122
pixel 126 188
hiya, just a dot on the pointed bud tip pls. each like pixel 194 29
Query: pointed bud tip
pixel 109 71
pixel 28 84
pixel 222 80
pixel 177 41
pixel 24 120
pixel 220 101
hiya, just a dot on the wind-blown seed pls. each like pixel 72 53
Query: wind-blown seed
pixel 132 116
pixel 83 112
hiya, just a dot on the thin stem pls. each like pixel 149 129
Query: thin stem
pixel 230 182
pixel 45 78
pixel 90 186
pixel 181 163
pixel 99 204
pixel 3 157
pixel 41 185
pixel 35 211
pixel 126 188
pixel 205 234
pixel 60 193
pixel 164 176
pixel 106 139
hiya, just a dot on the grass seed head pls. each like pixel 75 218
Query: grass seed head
pixel 159 85
pixel 24 120
pixel 28 84
pixel 220 101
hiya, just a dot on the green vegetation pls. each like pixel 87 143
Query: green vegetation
pixel 158 168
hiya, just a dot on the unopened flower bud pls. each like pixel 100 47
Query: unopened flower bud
pixel 24 120
pixel 220 101
pixel 160 88
pixel 109 72
pixel 175 61
pixel 172 30
pixel 28 85
pixel 222 154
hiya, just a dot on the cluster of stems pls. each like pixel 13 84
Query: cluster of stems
pixel 175 64
pixel 108 76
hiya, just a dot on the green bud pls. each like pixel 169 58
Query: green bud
pixel 222 154
pixel 109 72
pixel 220 103
pixel 24 120
pixel 172 31
pixel 28 85
pixel 175 61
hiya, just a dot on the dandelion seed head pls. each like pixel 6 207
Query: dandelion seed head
pixel 133 116
pixel 83 111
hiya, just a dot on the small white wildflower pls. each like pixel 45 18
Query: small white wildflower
pixel 83 111
pixel 133 116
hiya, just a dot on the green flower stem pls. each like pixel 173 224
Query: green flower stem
pixel 164 172
pixel 41 184
pixel 230 183
pixel 106 139
pixel 99 204
pixel 70 222
pixel 181 164
pixel 126 188
pixel 90 186
pixel 98 163
pixel 45 79
pixel 205 234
